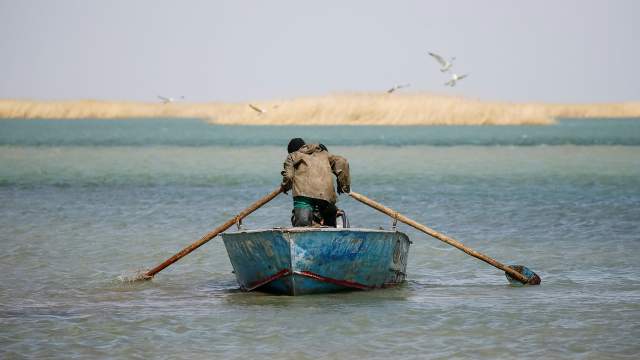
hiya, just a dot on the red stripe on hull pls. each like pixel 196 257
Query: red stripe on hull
pixel 311 275
pixel 276 276
pixel 345 283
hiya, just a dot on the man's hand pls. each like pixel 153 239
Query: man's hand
pixel 343 189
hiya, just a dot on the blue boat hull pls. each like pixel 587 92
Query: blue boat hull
pixel 299 261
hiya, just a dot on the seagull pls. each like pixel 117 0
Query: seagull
pixel 445 65
pixel 166 100
pixel 455 78
pixel 397 87
pixel 257 109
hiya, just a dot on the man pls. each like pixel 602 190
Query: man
pixel 309 170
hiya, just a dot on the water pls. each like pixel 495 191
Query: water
pixel 84 202
pixel 195 133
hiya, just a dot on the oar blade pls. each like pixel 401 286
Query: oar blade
pixel 533 278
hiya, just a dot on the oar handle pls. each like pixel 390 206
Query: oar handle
pixel 253 207
pixel 451 241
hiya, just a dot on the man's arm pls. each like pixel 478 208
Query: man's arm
pixel 340 167
pixel 287 174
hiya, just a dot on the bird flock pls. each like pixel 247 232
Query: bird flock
pixel 445 67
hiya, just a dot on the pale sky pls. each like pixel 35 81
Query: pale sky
pixel 557 51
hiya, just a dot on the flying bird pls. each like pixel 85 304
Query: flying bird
pixel 397 87
pixel 454 79
pixel 444 64
pixel 257 109
pixel 166 100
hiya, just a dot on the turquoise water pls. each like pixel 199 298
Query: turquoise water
pixel 85 202
pixel 190 133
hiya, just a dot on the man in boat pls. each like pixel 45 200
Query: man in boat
pixel 309 170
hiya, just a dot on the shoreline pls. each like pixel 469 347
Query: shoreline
pixel 344 109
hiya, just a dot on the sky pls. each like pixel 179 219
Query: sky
pixel 235 51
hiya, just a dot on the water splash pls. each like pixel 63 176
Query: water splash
pixel 134 276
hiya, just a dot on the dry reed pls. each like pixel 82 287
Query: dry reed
pixel 340 109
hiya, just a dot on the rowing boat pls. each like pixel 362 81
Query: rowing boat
pixel 299 261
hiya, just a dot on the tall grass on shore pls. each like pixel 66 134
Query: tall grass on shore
pixel 340 109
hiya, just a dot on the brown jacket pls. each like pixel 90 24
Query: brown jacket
pixel 309 172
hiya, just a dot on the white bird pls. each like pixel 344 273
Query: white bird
pixel 166 100
pixel 455 78
pixel 397 87
pixel 444 64
pixel 257 109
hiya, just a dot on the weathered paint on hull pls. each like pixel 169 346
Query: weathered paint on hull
pixel 299 261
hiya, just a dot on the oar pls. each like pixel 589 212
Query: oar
pixel 513 272
pixel 253 207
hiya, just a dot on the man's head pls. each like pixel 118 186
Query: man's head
pixel 295 144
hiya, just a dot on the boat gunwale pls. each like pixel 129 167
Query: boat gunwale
pixel 313 229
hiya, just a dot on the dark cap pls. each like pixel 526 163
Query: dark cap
pixel 295 144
